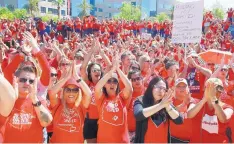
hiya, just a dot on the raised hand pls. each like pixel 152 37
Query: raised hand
pixel 32 41
pixel 33 90
pixel 167 99
pixel 74 71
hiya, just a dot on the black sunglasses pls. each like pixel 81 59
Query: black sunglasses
pixel 53 75
pixel 112 81
pixel 224 70
pixel 219 88
pixel 136 79
pixel 24 80
pixel 69 90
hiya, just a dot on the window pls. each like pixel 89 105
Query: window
pixel 43 10
pixel 100 10
pixel 53 11
pixel 50 0
pixel 63 12
pixel 133 3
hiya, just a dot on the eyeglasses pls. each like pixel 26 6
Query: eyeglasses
pixel 224 70
pixel 69 90
pixel 219 89
pixel 24 80
pixel 53 75
pixel 159 88
pixel 136 79
pixel 112 81
pixel 96 70
pixel 65 64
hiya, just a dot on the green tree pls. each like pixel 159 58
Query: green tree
pixel 33 6
pixel 20 13
pixel 162 17
pixel 5 13
pixel 11 7
pixel 48 17
pixel 129 12
pixel 218 13
pixel 84 8
pixel 59 4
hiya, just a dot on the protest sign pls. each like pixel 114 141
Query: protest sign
pixel 187 23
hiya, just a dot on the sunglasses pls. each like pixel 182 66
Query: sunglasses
pixel 219 88
pixel 224 70
pixel 147 61
pixel 136 79
pixel 96 70
pixel 24 80
pixel 159 88
pixel 69 90
pixel 79 58
pixel 210 64
pixel 65 64
pixel 53 75
pixel 112 81
pixel 135 68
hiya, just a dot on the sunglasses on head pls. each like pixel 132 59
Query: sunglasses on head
pixel 53 75
pixel 24 80
pixel 70 90
pixel 136 79
pixel 112 81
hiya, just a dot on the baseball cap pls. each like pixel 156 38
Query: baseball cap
pixel 71 81
pixel 216 81
pixel 180 80
pixel 114 75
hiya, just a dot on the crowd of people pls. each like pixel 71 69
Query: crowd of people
pixel 77 80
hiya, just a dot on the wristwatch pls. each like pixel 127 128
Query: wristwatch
pixel 37 104
pixel 79 80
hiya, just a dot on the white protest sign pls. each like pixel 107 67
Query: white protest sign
pixel 187 23
pixel 146 36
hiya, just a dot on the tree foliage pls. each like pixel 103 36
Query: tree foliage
pixel 33 6
pixel 49 17
pixel 129 12
pixel 162 17
pixel 59 4
pixel 5 13
pixel 218 13
pixel 84 8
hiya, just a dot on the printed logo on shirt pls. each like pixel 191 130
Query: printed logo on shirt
pixel 21 119
pixel 210 124
pixel 112 113
pixel 69 121
pixel 93 101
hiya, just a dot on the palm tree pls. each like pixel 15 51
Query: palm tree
pixel 85 7
pixel 33 6
pixel 59 4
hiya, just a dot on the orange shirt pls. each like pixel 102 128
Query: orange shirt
pixel 22 125
pixel 112 123
pixel 68 126
pixel 156 134
pixel 131 118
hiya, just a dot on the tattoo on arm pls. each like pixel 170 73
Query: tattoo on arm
pixel 44 116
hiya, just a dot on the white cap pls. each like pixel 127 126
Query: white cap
pixel 180 80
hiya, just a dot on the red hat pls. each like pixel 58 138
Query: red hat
pixel 71 81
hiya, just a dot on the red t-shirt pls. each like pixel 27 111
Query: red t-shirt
pixel 22 125
pixel 112 123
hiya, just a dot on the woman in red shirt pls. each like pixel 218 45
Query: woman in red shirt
pixel 112 106
pixel 68 109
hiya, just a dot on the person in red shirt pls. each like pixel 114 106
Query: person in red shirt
pixel 211 115
pixel 30 113
pixel 112 106
pixel 69 111
pixel 138 90
pixel 153 112
pixel 60 38
pixel 230 13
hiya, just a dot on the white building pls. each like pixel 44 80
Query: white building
pixel 47 7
